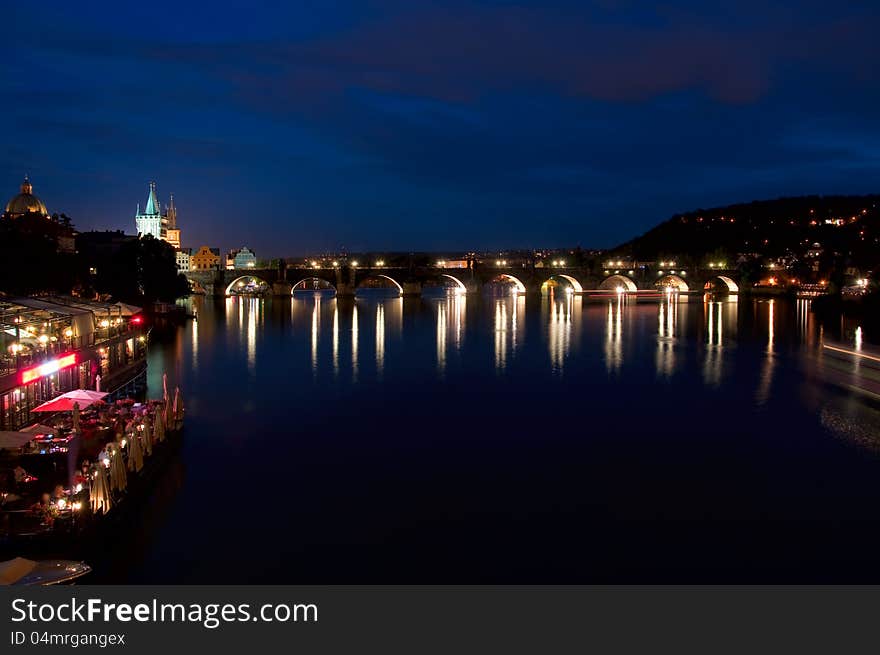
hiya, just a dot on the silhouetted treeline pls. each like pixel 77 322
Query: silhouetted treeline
pixel 33 261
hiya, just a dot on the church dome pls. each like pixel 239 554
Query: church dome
pixel 26 202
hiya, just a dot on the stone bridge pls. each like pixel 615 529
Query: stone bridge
pixel 410 281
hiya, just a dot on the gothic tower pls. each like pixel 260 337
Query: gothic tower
pixel 150 220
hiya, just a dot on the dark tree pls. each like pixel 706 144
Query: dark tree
pixel 141 271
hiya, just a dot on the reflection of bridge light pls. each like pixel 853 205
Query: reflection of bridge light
pixel 316 320
pixel 613 333
pixel 712 366
pixel 500 334
pixel 194 335
pixel 380 338
pixel 441 338
pixel 335 339
pixel 559 332
pixel 252 334
pixel 354 343
pixel 858 338
pixel 769 360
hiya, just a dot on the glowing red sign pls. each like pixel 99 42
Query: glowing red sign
pixel 47 368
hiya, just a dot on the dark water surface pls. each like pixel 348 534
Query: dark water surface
pixel 508 440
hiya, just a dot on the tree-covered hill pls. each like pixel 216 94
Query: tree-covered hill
pixel 848 226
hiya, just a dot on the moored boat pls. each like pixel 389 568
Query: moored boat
pixel 26 572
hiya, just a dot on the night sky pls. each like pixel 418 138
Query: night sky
pixel 298 127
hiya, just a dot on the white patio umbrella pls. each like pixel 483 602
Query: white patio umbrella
pixel 99 493
pixel 160 424
pixel 135 455
pixel 148 436
pixel 175 408
pixel 97 383
pixel 66 401
pixel 118 476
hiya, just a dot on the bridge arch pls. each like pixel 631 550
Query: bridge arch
pixel 312 284
pixel 385 277
pixel 676 282
pixel 459 285
pixel 247 284
pixel 575 285
pixel 616 282
pixel 711 283
pixel 506 277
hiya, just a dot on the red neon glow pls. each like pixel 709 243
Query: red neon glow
pixel 137 320
pixel 47 368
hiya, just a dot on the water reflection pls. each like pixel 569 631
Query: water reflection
pixel 335 339
pixel 613 334
pixel 509 325
pixel 354 344
pixel 769 364
pixel 450 323
pixel 380 339
pixel 666 319
pixel 248 308
pixel 194 343
pixel 316 331
pixel 498 386
pixel 713 363
pixel 559 330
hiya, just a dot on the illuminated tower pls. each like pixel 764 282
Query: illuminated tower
pixel 172 232
pixel 150 220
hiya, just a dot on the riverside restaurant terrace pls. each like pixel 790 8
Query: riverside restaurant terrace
pixel 54 344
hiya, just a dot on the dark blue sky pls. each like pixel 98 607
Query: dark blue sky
pixel 294 127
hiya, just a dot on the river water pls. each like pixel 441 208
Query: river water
pixel 499 439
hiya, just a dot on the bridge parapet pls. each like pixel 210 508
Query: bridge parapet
pixel 411 280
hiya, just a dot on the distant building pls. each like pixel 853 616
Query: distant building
pixel 230 259
pixel 206 259
pixel 25 203
pixel 183 256
pixel 172 232
pixel 452 263
pixel 153 222
pixel 245 258
pixel 149 221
